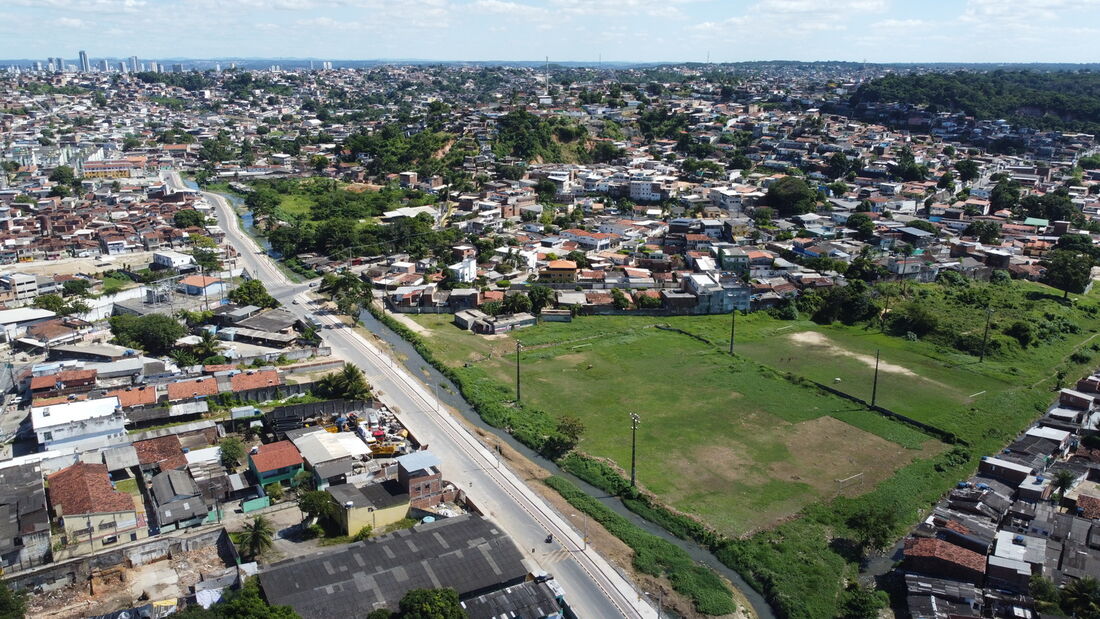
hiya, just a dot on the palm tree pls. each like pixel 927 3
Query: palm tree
pixel 208 345
pixel 1082 598
pixel 256 537
pixel 1062 481
pixel 354 384
pixel 184 358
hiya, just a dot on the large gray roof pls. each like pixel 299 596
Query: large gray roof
pixel 467 553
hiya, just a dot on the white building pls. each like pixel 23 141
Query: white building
pixel 87 424
pixel 25 287
pixel 172 259
pixel 465 271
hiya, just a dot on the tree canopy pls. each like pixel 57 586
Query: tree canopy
pixel 791 195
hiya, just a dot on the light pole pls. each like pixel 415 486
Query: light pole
pixel 874 385
pixel 985 335
pixel 518 346
pixel 585 530
pixel 733 327
pixel 660 600
pixel 634 419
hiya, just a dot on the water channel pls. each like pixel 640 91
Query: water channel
pixel 448 393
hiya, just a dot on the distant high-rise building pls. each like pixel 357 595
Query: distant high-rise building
pixel 134 67
pixel 154 67
pixel 38 65
pixel 85 66
pixel 104 66
pixel 217 67
pixel 121 67
pixel 177 68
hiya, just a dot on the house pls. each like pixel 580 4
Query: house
pixel 91 512
pixel 24 518
pixel 275 463
pixel 178 501
pixel 936 557
pixel 82 425
pixel 192 389
pixel 419 474
pixel 372 505
pixel 492 325
pixel 163 453
pixel 559 272
pixel 64 382
pixel 201 285
pixel 255 379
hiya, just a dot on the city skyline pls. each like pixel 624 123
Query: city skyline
pixel 565 30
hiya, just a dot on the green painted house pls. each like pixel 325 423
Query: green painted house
pixel 275 462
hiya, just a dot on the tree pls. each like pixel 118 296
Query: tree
pixel 838 165
pixel 516 303
pixel 252 292
pixel 317 504
pixel 1081 598
pixel 541 297
pixel 58 305
pixel 208 345
pixel 63 175
pixel 244 603
pixel 874 525
pixel 791 195
pixel 1048 598
pixel 318 163
pixel 1062 481
pixel 188 218
pixel 861 602
pixel 274 490
pixel 1005 195
pixel 347 384
pixel 256 538
pixel 154 333
pixel 570 427
pixel 13 603
pixel 988 232
pixel 262 201
pixel 862 224
pixel 231 450
pixel 968 169
pixel 431 604
pixel 76 287
pixel 579 257
pixel 1067 271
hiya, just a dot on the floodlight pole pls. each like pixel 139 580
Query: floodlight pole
pixel 517 372
pixel 634 419
pixel 874 385
pixel 733 327
pixel 985 334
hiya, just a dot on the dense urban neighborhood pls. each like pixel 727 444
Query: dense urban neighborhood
pixel 775 339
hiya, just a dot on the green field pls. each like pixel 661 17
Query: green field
pixel 295 205
pixel 720 437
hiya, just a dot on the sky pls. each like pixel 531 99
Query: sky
pixel 564 30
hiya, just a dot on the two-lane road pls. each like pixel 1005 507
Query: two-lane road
pixel 593 587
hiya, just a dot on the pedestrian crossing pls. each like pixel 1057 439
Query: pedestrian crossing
pixel 554 556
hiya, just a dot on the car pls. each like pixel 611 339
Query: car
pixel 295 301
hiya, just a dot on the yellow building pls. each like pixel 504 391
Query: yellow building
pixel 373 505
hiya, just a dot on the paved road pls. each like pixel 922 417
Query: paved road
pixel 593 587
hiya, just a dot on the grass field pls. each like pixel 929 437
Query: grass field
pixel 295 205
pixel 720 437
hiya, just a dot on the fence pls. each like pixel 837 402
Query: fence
pixel 274 392
pixel 947 437
pixel 290 417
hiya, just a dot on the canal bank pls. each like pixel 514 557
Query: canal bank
pixel 449 394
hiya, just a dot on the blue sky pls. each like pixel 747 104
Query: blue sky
pixel 581 30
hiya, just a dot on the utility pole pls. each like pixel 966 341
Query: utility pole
pixel 517 372
pixel 733 327
pixel 634 419
pixel 985 335
pixel 874 385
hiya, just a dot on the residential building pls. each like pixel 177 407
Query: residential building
pixel 80 425
pixel 419 474
pixel 372 505
pixel 24 518
pixel 275 462
pixel 91 512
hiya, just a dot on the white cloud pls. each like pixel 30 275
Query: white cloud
pixel 71 22
pixel 89 6
pixel 508 9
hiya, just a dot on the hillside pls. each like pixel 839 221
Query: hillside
pixel 1068 101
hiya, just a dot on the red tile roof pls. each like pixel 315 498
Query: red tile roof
pixel 144 395
pixel 274 456
pixel 199 281
pixel 255 379
pixel 944 551
pixel 165 451
pixel 86 489
pixel 186 389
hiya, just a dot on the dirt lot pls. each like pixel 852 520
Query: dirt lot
pixel 123 588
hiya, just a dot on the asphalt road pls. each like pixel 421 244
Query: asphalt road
pixel 592 586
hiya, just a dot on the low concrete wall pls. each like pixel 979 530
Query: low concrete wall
pixel 80 569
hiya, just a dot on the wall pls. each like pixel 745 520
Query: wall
pixel 354 520
pixel 80 569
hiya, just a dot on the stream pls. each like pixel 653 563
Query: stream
pixel 449 393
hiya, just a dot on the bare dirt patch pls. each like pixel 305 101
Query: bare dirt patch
pixel 825 450
pixel 817 340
